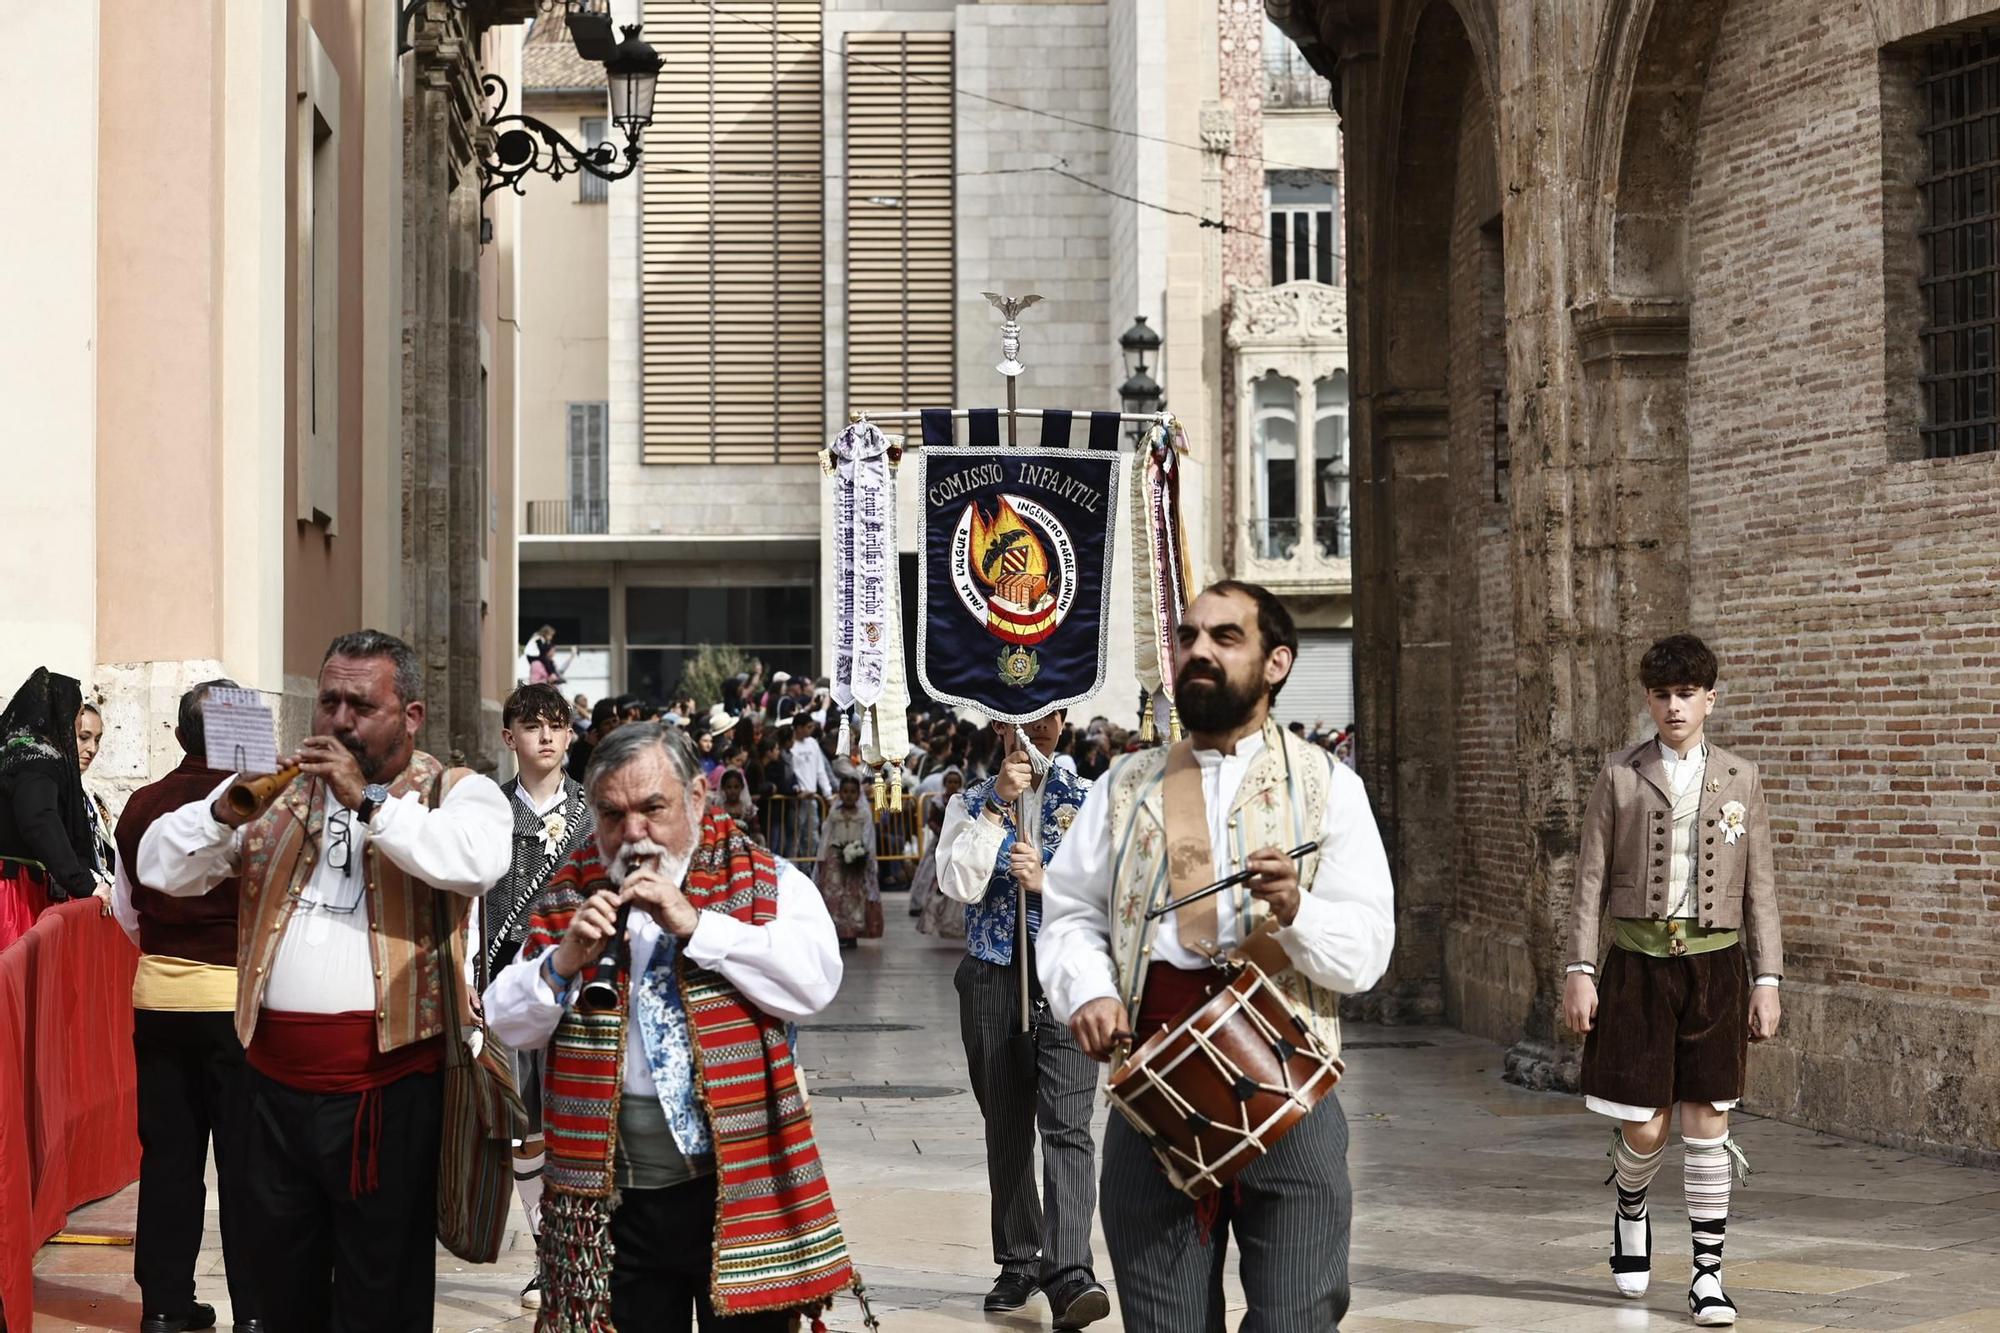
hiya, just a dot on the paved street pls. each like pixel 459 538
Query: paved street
pixel 1478 1206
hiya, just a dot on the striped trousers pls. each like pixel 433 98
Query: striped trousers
pixel 1047 1239
pixel 1290 1210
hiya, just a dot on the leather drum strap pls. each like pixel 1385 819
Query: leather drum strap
pixel 1190 858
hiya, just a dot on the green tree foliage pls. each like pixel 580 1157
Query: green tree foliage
pixel 710 667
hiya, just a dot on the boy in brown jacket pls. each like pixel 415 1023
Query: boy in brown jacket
pixel 1676 844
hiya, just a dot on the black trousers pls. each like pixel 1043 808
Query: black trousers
pixel 665 1244
pixel 1045 1238
pixel 1290 1211
pixel 331 1262
pixel 190 1090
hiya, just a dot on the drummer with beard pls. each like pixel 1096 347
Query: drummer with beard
pixel 1116 977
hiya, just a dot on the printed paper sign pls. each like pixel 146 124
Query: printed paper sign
pixel 242 736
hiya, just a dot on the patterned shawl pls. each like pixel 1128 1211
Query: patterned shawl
pixel 778 1242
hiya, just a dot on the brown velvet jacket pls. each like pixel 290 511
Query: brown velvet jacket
pixel 1621 866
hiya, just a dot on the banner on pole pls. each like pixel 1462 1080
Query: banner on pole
pixel 1016 585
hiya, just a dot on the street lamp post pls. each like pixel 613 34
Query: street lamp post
pixel 1140 392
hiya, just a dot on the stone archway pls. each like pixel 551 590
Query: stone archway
pixel 1435 66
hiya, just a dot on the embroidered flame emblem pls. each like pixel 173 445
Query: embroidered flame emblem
pixel 1008 558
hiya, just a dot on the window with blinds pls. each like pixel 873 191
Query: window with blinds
pixel 899 220
pixel 589 508
pixel 733 235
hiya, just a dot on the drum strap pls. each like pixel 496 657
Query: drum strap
pixel 1263 949
pixel 1190 859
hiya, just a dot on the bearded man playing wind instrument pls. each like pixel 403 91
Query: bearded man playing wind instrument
pixel 341 986
pixel 682 1178
pixel 1229 797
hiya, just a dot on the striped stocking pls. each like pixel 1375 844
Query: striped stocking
pixel 1706 1170
pixel 1632 1230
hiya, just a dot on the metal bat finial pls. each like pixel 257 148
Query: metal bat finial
pixel 1010 308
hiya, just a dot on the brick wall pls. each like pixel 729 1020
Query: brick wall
pixel 1850 588
pixel 1483 948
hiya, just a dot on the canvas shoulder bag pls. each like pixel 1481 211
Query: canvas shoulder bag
pixel 482 1109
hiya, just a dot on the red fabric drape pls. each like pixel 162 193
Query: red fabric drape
pixel 69 1120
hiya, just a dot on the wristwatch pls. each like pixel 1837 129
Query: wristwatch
pixel 373 797
pixel 998 808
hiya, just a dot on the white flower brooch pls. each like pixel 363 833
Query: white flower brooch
pixel 1732 822
pixel 553 829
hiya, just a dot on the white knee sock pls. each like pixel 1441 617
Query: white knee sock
pixel 528 1182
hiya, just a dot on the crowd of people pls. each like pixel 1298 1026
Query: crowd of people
pixel 287 1007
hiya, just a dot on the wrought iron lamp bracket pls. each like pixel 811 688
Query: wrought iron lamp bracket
pixel 522 144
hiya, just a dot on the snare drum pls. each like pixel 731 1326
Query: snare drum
pixel 1219 1088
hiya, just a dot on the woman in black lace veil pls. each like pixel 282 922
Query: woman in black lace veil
pixel 45 851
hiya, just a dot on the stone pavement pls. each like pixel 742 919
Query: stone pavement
pixel 1478 1205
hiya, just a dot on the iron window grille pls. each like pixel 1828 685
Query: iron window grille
pixel 1960 85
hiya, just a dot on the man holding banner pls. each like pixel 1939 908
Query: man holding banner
pixel 1027 1070
pixel 1158 828
pixel 1016 581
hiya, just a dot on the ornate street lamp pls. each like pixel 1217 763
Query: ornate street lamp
pixel 633 74
pixel 1140 392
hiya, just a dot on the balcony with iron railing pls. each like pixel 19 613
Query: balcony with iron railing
pixel 1276 540
pixel 1293 85
pixel 567 518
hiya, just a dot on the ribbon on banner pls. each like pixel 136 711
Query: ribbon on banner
pixel 1017 571
pixel 1159 568
pixel 868 668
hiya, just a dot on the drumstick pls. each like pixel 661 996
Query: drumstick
pixel 1228 882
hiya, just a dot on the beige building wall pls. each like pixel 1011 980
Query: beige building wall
pixel 565 306
pixel 153 491
pixel 48 364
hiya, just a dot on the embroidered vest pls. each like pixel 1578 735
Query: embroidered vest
pixel 280 849
pixel 989 923
pixel 1281 803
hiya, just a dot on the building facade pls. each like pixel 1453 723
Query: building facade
pixel 826 192
pixel 1679 316
pixel 261 385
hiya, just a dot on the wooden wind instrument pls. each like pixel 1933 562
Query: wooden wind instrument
pixel 246 796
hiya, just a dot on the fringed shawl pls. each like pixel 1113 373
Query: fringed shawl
pixel 778 1242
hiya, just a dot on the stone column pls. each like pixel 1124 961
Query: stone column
pixel 1411 483
pixel 426 382
pixel 1218 135
pixel 1633 352
pixel 466 540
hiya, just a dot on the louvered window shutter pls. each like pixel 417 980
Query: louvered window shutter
pixel 899 220
pixel 733 235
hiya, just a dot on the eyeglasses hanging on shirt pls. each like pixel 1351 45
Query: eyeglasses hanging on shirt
pixel 339 841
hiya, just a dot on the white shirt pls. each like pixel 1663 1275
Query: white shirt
pixel 790 968
pixel 1341 938
pixel 323 964
pixel 810 769
pixel 969 844
pixel 1684 777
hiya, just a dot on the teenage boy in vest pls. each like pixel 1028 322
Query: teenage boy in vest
pixel 1161 825
pixel 341 987
pixel 1677 846
pixel 552 818
pixel 190 1064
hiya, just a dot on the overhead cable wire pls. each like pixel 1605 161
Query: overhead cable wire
pixel 956 91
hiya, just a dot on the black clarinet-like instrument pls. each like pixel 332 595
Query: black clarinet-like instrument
pixel 600 987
